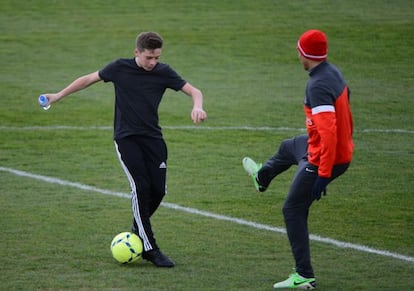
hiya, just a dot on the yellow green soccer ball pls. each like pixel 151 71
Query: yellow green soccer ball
pixel 126 248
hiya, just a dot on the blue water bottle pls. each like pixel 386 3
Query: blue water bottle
pixel 44 102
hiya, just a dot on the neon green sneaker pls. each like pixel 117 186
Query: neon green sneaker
pixel 251 167
pixel 296 281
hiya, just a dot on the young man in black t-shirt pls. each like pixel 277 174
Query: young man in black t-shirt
pixel 140 83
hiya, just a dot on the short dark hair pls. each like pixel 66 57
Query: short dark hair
pixel 148 40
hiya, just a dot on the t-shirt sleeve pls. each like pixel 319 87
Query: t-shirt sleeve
pixel 107 72
pixel 174 80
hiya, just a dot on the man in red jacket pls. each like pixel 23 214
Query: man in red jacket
pixel 321 156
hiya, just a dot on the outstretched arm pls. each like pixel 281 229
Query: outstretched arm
pixel 197 114
pixel 79 84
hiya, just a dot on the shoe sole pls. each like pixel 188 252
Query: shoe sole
pixel 248 165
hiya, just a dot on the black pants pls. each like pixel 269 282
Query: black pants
pixel 299 199
pixel 144 161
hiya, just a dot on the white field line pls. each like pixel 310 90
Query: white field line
pixel 200 127
pixel 339 244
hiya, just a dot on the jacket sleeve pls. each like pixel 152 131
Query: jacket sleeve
pixel 325 120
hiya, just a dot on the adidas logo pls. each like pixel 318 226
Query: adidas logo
pixel 163 165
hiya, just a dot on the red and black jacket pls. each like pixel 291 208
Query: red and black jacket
pixel 328 119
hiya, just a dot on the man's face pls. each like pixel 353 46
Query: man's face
pixel 147 59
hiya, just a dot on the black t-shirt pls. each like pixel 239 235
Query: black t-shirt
pixel 138 94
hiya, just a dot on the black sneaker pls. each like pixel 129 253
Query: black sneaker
pixel 158 258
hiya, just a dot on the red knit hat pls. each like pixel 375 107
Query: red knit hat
pixel 313 45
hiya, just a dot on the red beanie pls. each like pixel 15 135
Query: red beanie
pixel 313 45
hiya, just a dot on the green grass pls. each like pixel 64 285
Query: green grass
pixel 241 54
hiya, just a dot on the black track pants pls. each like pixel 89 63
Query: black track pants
pixel 299 198
pixel 144 161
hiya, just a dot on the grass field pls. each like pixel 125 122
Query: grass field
pixel 55 231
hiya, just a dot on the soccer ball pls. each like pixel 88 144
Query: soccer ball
pixel 126 247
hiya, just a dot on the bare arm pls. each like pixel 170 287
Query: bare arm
pixel 197 114
pixel 77 85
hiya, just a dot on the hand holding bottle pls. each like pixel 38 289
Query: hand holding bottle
pixel 44 102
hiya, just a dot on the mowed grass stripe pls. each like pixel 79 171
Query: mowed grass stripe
pixel 194 211
pixel 201 127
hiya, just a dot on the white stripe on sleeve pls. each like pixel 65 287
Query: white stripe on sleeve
pixel 323 108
